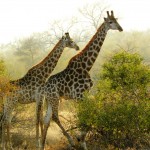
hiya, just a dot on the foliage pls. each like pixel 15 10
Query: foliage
pixel 29 48
pixel 5 86
pixel 3 78
pixel 118 113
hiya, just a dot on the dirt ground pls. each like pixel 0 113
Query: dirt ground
pixel 23 129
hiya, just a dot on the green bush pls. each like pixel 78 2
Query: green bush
pixel 5 86
pixel 118 113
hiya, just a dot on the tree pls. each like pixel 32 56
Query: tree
pixel 118 110
pixel 93 14
pixel 5 86
pixel 29 48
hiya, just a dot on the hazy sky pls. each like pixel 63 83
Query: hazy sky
pixel 22 17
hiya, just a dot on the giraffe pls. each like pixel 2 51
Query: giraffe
pixel 35 77
pixel 75 79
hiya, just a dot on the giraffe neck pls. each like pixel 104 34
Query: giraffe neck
pixel 88 55
pixel 42 70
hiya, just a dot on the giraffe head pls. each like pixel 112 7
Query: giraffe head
pixel 111 22
pixel 68 42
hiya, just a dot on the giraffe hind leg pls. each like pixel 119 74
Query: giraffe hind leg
pixel 81 139
pixel 3 137
pixel 41 120
pixel 57 121
pixel 6 142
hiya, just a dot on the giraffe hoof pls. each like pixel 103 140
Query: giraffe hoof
pixel 78 139
pixel 71 147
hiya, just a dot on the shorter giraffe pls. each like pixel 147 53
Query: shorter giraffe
pixel 34 78
pixel 73 81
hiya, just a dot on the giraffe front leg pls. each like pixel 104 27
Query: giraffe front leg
pixel 47 118
pixel 37 125
pixel 38 121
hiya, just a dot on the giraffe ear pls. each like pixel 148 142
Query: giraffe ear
pixel 105 19
pixel 63 37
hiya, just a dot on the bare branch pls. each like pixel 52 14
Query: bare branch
pixel 93 13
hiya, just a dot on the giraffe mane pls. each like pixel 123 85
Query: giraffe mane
pixel 87 46
pixel 42 61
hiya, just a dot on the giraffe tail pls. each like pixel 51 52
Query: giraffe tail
pixel 2 117
pixel 1 122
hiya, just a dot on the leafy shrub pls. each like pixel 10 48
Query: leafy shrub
pixel 118 113
pixel 5 86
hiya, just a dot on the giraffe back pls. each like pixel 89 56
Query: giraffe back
pixel 70 83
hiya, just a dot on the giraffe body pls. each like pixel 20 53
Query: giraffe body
pixel 29 84
pixel 72 82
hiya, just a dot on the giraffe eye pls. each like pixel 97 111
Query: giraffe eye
pixel 110 22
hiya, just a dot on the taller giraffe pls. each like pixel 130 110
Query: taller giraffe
pixel 72 82
pixel 34 78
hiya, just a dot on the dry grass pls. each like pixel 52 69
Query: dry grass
pixel 23 128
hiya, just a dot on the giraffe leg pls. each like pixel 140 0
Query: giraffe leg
pixel 41 124
pixel 3 136
pixel 38 121
pixel 9 144
pixel 8 135
pixel 81 139
pixel 56 119
pixel 47 118
pixel 64 132
pixel 41 119
pixel 7 138
pixel 37 126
